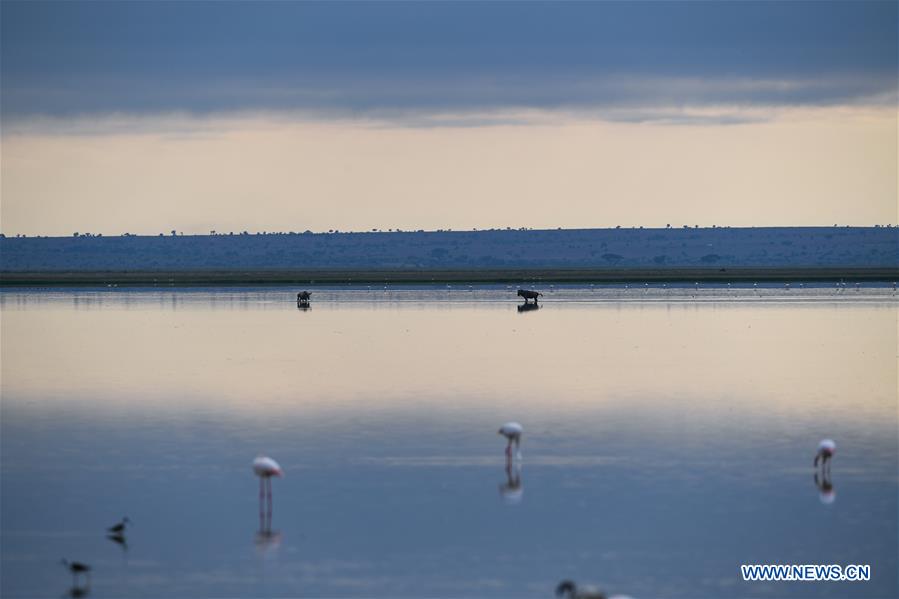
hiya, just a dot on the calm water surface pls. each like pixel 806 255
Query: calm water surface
pixel 669 437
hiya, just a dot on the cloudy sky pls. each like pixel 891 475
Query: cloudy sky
pixel 151 116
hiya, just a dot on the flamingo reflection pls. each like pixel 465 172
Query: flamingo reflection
pixel 512 490
pixel 826 492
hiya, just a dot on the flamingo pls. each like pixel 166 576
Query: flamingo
pixel 511 431
pixel 826 449
pixel 265 468
pixel 77 568
pixel 573 591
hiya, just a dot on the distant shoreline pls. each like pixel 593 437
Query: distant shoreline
pixel 418 276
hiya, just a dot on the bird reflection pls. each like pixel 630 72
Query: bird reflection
pixel 528 307
pixel 512 491
pixel 77 591
pixel 119 539
pixel 827 495
pixel 266 538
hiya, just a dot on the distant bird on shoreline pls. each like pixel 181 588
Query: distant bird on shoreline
pixel 512 431
pixel 120 527
pixel 567 588
pixel 77 569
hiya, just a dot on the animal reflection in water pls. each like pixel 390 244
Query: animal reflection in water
pixel 119 539
pixel 116 533
pixel 570 590
pixel 77 569
pixel 512 491
pixel 826 449
pixel 526 307
pixel 77 591
pixel 826 492
pixel 265 468
pixel 303 300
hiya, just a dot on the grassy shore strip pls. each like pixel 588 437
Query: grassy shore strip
pixel 549 275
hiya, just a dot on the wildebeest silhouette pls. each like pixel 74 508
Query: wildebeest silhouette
pixel 303 297
pixel 527 294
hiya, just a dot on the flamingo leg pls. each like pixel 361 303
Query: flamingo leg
pixel 269 489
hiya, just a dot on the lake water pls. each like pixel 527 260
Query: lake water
pixel 669 437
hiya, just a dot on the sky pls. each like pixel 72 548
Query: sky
pixel 144 117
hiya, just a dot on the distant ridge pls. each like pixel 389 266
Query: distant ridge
pixel 611 252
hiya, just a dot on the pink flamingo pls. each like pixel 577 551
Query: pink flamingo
pixel 265 468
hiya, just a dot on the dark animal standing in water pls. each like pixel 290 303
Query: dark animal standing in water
pixel 303 298
pixel 77 568
pixel 529 295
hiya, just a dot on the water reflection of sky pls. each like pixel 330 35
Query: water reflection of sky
pixel 668 439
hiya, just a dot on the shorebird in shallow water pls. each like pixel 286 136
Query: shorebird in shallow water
pixel 120 527
pixel 265 468
pixel 567 588
pixel 512 431
pixel 77 569
pixel 826 449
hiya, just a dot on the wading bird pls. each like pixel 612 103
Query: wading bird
pixel 265 468
pixel 120 527
pixel 567 588
pixel 512 431
pixel 826 449
pixel 77 568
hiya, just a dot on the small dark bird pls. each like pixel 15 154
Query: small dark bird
pixel 77 568
pixel 567 588
pixel 120 527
